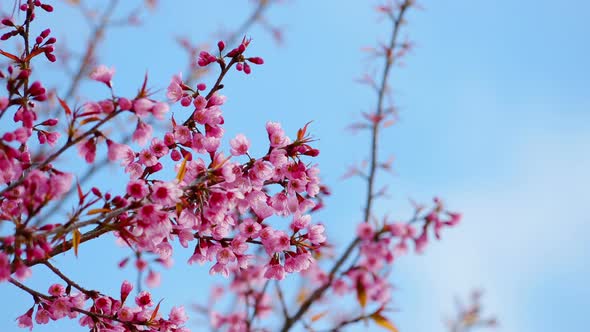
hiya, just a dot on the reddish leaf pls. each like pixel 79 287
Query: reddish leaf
pixel 10 56
pixel 301 132
pixel 80 193
pixel 87 120
pixel 155 313
pixel 65 106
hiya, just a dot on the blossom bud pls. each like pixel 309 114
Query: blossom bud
pixel 8 22
pixel 47 8
pixel 125 104
pixel 256 60
pixel 45 33
pixel 126 288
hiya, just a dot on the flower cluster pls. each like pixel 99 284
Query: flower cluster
pixel 105 313
pixel 225 202
pixel 248 216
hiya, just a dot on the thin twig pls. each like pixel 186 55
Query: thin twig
pixel 389 60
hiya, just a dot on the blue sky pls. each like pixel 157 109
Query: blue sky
pixel 495 119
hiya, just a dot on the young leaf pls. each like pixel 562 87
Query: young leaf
pixel 361 294
pixel 383 322
pixel 319 316
pixel 76 237
pixel 80 193
pixel 97 211
pixel 155 313
pixel 10 56
pixel 182 169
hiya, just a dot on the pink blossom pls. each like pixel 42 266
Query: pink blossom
pixel 200 102
pixel 147 158
pixel 219 268
pixel 275 271
pixel 137 189
pixel 106 106
pixel 42 316
pixel 103 74
pixel 160 109
pixel 4 267
pixel 165 193
pixel 421 242
pixel 103 303
pixel 142 106
pixel 26 320
pixel 239 145
pixel 159 148
pixel 182 134
pixel 365 231
pixel 276 135
pixel 125 314
pixel 126 288
pixel 121 152
pixel 225 255
pixel 153 279
pixel 142 133
pixel 178 316
pixel 316 234
pixel 144 299
pixel 250 228
pixel 3 103
pixel 175 91
pixel 56 290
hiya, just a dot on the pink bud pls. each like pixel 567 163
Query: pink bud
pixel 126 288
pixel 201 86
pixel 256 60
pixel 125 104
pixel 175 155
pixel 7 22
pixel 50 57
pixel 220 45
pixel 185 101
pixel 47 8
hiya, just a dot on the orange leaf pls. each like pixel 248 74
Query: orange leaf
pixel 65 106
pixel 302 295
pixel 383 322
pixel 76 237
pixel 155 313
pixel 361 294
pixel 97 211
pixel 87 120
pixel 319 316
pixel 301 132
pixel 182 169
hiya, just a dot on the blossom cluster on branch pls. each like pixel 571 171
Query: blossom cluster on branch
pixel 249 217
